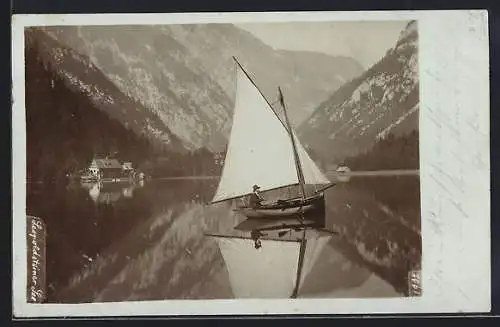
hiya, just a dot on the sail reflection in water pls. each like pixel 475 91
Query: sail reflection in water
pixel 270 271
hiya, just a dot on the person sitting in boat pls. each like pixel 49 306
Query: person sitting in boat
pixel 255 198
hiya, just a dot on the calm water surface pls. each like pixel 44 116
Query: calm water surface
pixel 114 242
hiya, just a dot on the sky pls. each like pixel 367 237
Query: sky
pixel 364 41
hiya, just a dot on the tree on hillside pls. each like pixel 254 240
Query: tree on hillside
pixel 389 153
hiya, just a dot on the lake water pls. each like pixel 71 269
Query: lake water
pixel 116 242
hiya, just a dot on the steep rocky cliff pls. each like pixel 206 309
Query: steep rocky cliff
pixel 383 100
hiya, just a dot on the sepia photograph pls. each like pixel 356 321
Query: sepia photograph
pixel 223 161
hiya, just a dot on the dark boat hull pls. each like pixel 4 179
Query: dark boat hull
pixel 286 208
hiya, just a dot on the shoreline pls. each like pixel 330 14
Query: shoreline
pixel 374 173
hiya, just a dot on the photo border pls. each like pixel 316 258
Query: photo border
pixel 454 169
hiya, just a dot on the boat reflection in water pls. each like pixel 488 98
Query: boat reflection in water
pixel 104 192
pixel 288 258
pixel 275 256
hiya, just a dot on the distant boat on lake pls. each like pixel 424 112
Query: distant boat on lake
pixel 343 173
pixel 342 169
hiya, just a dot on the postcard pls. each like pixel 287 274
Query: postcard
pixel 251 163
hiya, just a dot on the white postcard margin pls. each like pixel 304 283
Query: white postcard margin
pixel 454 170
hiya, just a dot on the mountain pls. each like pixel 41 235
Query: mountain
pixel 73 113
pixel 185 75
pixel 83 77
pixel 384 100
pixel 307 78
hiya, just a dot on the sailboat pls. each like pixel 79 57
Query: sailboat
pixel 264 150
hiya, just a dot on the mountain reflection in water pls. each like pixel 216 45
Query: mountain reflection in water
pixel 117 242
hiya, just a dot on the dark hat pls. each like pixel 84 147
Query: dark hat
pixel 256 187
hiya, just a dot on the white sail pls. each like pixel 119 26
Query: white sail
pixel 260 150
pixel 267 272
pixel 312 173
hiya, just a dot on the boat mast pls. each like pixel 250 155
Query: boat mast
pixel 300 173
pixel 300 176
pixel 302 253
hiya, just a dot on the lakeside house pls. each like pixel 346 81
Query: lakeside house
pixel 106 168
pixel 110 169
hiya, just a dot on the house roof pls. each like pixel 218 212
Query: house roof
pixel 107 163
